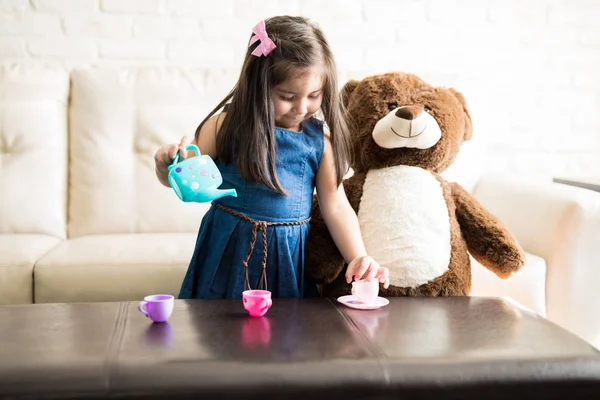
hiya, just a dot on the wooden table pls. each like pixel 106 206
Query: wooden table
pixel 447 348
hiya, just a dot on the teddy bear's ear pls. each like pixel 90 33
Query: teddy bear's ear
pixel 347 91
pixel 468 121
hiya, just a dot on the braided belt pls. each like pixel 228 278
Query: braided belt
pixel 257 226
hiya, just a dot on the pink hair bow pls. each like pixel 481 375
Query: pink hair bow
pixel 266 45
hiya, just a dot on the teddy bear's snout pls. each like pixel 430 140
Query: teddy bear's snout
pixel 410 126
pixel 409 112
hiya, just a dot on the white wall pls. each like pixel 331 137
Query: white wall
pixel 529 69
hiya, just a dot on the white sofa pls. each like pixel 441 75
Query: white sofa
pixel 82 217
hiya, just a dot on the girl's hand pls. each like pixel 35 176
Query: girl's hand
pixel 165 155
pixel 368 269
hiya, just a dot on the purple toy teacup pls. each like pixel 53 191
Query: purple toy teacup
pixel 157 307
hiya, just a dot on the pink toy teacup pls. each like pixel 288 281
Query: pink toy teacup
pixel 257 302
pixel 157 307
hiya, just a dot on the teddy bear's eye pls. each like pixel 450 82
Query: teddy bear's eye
pixel 427 109
pixel 392 106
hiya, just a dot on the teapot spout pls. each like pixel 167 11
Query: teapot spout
pixel 224 192
pixel 213 194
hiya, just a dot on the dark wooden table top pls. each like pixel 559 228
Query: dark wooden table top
pixel 462 347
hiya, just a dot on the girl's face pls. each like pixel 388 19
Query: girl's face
pixel 298 98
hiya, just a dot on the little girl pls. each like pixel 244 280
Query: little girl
pixel 270 147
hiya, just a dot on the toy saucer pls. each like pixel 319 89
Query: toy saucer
pixel 353 302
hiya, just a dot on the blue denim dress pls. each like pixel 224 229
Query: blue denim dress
pixel 216 269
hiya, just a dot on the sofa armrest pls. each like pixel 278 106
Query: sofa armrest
pixel 562 225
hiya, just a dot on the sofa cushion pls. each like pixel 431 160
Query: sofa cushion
pixel 119 118
pixel 33 149
pixel 18 254
pixel 115 267
pixel 527 287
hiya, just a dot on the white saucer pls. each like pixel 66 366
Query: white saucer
pixel 352 302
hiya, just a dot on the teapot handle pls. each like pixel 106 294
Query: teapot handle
pixel 188 147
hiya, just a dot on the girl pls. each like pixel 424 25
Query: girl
pixel 270 147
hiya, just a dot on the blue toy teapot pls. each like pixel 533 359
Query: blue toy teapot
pixel 197 179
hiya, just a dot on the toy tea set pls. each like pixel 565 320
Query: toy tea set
pixel 197 179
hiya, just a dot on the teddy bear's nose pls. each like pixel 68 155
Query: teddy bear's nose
pixel 409 112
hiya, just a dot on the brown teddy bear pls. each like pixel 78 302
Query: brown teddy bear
pixel 405 132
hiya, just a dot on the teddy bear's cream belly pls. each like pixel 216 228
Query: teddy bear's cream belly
pixel 405 224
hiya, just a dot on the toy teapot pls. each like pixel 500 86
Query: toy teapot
pixel 197 179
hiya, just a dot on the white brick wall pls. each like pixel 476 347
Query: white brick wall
pixel 529 69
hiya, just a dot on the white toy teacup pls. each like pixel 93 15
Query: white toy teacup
pixel 366 291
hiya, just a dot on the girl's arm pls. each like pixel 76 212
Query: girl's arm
pixel 206 142
pixel 342 223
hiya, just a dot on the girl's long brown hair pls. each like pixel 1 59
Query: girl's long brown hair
pixel 247 134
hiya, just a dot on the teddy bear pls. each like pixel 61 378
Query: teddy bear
pixel 404 134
